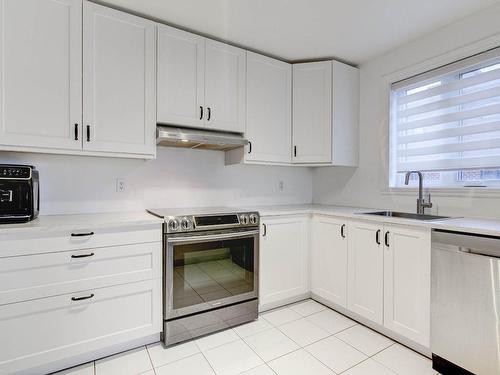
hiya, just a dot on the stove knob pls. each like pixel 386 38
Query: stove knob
pixel 244 219
pixel 186 224
pixel 254 219
pixel 173 225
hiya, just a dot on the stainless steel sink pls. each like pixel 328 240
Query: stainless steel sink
pixel 406 215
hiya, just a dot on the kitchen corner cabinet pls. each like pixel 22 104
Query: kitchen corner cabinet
pixel 329 238
pixel 268 113
pixel 325 114
pixel 283 265
pixel 365 271
pixel 119 102
pixel 407 275
pixel 41 87
pixel 201 82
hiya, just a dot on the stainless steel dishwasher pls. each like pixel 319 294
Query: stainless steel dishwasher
pixel 465 303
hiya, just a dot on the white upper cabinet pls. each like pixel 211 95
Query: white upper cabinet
pixel 41 64
pixel 225 68
pixel 325 113
pixel 181 77
pixel 119 104
pixel 365 273
pixel 407 275
pixel 329 259
pixel 312 112
pixel 201 82
pixel 268 113
pixel 269 109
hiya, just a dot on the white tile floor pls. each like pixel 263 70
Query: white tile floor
pixel 301 339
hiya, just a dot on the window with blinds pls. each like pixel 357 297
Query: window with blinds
pixel 446 123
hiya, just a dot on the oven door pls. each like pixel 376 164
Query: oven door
pixel 207 270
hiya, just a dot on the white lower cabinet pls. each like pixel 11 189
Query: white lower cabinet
pixel 68 297
pixel 407 275
pixel 283 260
pixel 365 273
pixel 329 259
pixel 35 332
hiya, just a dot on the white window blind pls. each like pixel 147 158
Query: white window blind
pixel 449 118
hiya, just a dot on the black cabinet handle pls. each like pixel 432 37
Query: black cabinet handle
pixel 377 237
pixel 76 132
pixel 88 133
pixel 264 226
pixel 82 234
pixel 295 151
pixel 209 113
pixel 342 228
pixel 82 298
pixel 249 147
pixel 82 256
pixel 387 239
pixel 201 112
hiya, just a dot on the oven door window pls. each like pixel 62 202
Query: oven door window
pixel 210 271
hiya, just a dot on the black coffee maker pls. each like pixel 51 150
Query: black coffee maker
pixel 19 193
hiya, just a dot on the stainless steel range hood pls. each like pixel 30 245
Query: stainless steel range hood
pixel 199 139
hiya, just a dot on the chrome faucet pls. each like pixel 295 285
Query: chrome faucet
pixel 421 203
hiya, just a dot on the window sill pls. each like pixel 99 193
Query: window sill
pixel 491 192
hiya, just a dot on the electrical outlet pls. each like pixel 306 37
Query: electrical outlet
pixel 120 185
pixel 281 185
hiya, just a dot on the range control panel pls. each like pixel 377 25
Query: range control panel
pixel 192 223
pixel 15 172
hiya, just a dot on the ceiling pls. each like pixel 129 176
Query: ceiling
pixel 350 30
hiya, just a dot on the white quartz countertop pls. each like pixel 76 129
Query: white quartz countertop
pixel 82 221
pixel 120 219
pixel 459 224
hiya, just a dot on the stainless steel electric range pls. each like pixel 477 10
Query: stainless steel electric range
pixel 210 270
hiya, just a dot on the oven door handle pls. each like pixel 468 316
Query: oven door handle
pixel 210 237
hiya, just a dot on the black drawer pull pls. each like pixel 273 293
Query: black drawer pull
pixel 82 256
pixel 209 114
pixel 82 298
pixel 387 239
pixel 82 234
pixel 76 132
pixel 342 229
pixel 377 237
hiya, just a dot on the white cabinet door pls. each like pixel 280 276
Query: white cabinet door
pixel 269 109
pixel 407 268
pixel 180 77
pixel 365 274
pixel 119 103
pixel 329 259
pixel 283 260
pixel 40 331
pixel 41 64
pixel 225 71
pixel 312 112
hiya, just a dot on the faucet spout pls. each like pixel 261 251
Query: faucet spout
pixel 421 203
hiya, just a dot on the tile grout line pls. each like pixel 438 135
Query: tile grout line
pixel 150 360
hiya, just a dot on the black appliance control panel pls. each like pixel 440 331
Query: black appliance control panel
pixel 15 172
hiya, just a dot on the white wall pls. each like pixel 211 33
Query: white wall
pixel 177 178
pixel 364 186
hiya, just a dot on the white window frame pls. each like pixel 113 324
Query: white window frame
pixel 450 57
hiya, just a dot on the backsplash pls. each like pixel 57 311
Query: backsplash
pixel 176 178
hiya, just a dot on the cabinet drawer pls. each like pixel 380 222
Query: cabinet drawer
pixel 45 330
pixel 42 275
pixel 48 241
